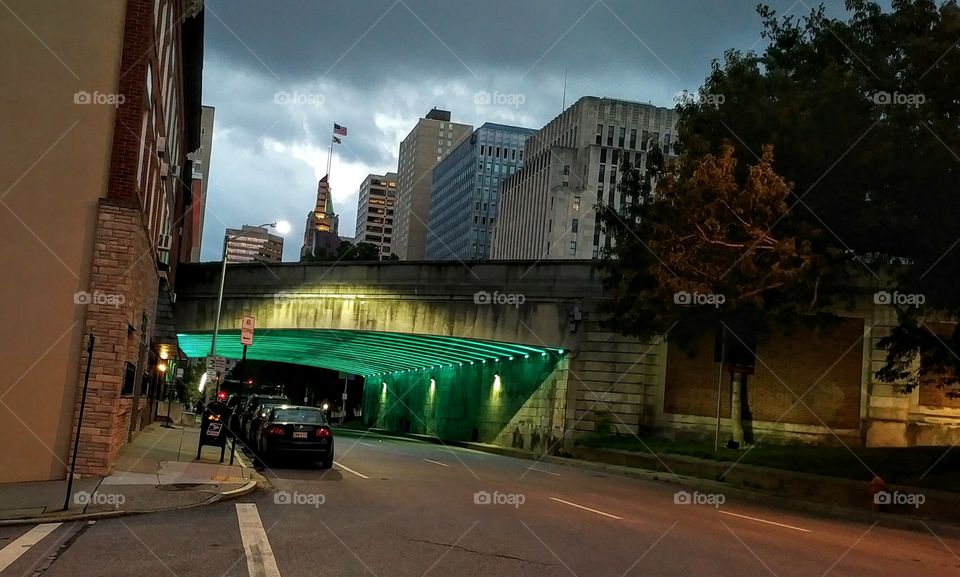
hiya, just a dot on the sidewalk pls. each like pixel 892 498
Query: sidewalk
pixel 156 472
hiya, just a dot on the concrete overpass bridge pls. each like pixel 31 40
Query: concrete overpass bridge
pixel 505 352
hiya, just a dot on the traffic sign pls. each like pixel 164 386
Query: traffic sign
pixel 246 329
pixel 344 396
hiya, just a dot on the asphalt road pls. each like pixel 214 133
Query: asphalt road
pixel 396 508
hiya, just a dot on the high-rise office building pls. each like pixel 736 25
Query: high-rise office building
pixel 427 144
pixel 465 191
pixel 375 211
pixel 201 176
pixel 546 209
pixel 253 244
pixel 321 233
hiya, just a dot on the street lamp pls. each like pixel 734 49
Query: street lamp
pixel 282 227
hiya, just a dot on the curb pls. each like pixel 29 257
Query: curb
pixel 250 487
pixel 885 519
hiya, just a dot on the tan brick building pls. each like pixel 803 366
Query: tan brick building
pixel 106 108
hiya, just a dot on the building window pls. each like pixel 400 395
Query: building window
pixel 644 139
pixel 603 156
pixel 633 138
pixel 574 225
pixel 599 133
pixel 623 136
pixel 616 156
pixel 610 135
pixel 576 203
pixel 573 248
pixel 566 170
pixel 602 173
pixel 483 148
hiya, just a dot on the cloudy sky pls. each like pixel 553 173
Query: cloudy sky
pixel 280 73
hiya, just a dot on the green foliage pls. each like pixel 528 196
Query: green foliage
pixel 862 113
pixel 347 251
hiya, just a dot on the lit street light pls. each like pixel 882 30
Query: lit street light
pixel 282 227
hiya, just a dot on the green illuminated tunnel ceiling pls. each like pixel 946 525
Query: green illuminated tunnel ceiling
pixel 358 352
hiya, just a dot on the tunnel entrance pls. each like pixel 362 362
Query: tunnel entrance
pixel 456 389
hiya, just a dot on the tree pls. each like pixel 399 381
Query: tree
pixel 347 251
pixel 697 251
pixel 862 113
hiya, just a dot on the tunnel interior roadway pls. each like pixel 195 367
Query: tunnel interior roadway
pixel 452 388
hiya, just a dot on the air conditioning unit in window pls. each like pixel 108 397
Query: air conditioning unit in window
pixel 162 145
pixel 164 242
pixel 175 170
pixel 164 170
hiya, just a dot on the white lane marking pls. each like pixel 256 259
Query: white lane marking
pixel 256 547
pixel 349 470
pixel 586 508
pixel 764 521
pixel 366 444
pixel 436 462
pixel 14 550
pixel 542 471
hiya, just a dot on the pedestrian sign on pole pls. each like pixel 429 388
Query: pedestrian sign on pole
pixel 246 330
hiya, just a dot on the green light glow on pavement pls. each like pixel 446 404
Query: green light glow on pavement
pixel 359 352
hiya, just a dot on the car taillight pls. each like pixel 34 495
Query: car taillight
pixel 324 433
pixel 275 430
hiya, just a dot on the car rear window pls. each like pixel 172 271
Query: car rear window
pixel 300 416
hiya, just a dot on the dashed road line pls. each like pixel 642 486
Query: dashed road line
pixel 586 508
pixel 16 549
pixel 542 471
pixel 764 521
pixel 260 559
pixel 349 470
pixel 366 444
pixel 436 462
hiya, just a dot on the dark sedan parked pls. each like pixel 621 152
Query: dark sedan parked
pixel 252 431
pixel 296 431
pixel 251 410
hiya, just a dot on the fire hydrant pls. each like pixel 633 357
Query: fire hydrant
pixel 878 493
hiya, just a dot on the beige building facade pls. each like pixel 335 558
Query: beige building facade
pixel 430 141
pixel 105 109
pixel 547 207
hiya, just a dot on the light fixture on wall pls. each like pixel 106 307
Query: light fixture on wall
pixel 496 383
pixel 433 387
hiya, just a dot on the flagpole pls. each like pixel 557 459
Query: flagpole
pixel 330 155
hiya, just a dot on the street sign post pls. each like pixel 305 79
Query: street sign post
pixel 246 330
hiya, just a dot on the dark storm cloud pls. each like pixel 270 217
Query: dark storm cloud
pixel 280 73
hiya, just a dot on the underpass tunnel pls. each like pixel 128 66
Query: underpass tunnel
pixel 507 394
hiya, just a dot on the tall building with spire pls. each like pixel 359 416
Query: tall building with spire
pixel 321 231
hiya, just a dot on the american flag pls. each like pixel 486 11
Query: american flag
pixel 341 130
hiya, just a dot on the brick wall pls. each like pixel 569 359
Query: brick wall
pixel 824 367
pixel 138 50
pixel 124 284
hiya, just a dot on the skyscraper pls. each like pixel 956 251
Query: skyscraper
pixel 547 207
pixel 253 244
pixel 427 144
pixel 375 211
pixel 321 231
pixel 465 190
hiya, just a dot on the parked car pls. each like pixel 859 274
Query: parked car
pixel 252 432
pixel 253 402
pixel 296 431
